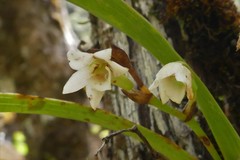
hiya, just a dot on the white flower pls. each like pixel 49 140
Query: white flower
pixel 94 72
pixel 173 80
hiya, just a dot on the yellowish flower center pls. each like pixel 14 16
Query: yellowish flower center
pixel 98 70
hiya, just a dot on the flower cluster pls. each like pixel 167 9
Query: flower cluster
pixel 96 72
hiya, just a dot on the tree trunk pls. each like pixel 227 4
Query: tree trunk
pixel 33 61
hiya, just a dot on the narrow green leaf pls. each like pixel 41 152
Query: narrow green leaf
pixel 126 19
pixel 37 105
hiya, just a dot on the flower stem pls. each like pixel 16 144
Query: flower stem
pixel 123 82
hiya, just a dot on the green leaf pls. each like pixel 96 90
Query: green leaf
pixel 64 109
pixel 126 19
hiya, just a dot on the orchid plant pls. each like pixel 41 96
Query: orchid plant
pixel 226 137
pixel 96 72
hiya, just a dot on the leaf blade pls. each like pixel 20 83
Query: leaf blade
pixel 37 105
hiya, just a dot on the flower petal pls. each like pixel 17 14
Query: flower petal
pixel 172 89
pixel 169 69
pixel 163 95
pixel 77 81
pixel 183 75
pixel 102 84
pixel 154 85
pixel 117 69
pixel 78 59
pixel 105 54
pixel 94 96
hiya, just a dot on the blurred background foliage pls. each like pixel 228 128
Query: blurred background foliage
pixel 34 38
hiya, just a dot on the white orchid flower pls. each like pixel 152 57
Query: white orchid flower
pixel 174 80
pixel 94 72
